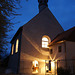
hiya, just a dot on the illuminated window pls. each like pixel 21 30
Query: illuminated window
pixel 12 49
pixel 45 41
pixel 35 66
pixel 17 42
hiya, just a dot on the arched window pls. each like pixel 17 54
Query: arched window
pixel 45 41
pixel 17 42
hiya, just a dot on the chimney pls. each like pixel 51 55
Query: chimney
pixel 42 4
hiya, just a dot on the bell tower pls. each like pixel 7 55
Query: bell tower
pixel 42 4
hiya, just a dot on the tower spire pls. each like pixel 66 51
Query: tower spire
pixel 42 4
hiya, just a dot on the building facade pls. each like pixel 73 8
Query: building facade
pixel 33 49
pixel 62 50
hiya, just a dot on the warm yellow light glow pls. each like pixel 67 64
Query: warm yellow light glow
pixel 53 66
pixel 45 39
pixel 45 42
pixel 47 68
pixel 12 49
pixel 47 61
pixel 35 63
pixel 35 66
pixel 17 42
pixel 61 41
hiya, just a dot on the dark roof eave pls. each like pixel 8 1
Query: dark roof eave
pixel 18 31
pixel 61 41
pixel 68 35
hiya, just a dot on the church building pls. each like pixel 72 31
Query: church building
pixel 38 46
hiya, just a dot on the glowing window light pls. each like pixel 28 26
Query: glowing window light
pixel 12 49
pixel 53 66
pixel 35 66
pixel 45 39
pixel 45 42
pixel 17 42
pixel 35 63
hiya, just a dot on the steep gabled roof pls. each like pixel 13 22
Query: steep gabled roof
pixel 44 22
pixel 46 13
pixel 68 35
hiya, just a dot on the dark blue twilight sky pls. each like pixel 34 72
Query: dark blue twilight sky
pixel 63 10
